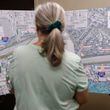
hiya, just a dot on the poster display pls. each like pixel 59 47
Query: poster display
pixel 91 38
pixel 89 31
pixel 16 28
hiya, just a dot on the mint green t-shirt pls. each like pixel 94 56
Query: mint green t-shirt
pixel 39 86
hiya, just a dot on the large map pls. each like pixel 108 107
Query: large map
pixel 16 28
pixel 90 32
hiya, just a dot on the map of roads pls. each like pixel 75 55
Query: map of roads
pixel 16 28
pixel 90 32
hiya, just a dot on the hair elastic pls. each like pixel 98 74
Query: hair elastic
pixel 56 24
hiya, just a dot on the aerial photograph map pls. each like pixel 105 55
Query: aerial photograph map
pixel 89 30
pixel 16 28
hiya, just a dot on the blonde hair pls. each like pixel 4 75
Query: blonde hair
pixel 53 45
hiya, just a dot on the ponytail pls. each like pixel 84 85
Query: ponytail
pixel 53 47
pixel 50 23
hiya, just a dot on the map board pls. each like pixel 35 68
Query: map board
pixel 89 30
pixel 16 28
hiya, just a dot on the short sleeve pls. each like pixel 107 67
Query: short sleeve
pixel 82 80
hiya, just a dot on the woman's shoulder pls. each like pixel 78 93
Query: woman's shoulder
pixel 25 51
pixel 72 57
pixel 25 48
pixel 22 48
pixel 71 60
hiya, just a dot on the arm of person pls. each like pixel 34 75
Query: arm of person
pixel 10 71
pixel 82 85
pixel 9 83
pixel 81 97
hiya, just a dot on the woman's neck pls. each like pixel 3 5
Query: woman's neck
pixel 40 41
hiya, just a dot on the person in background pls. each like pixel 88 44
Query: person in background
pixel 45 76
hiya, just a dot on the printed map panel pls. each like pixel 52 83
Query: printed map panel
pixel 90 32
pixel 16 28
